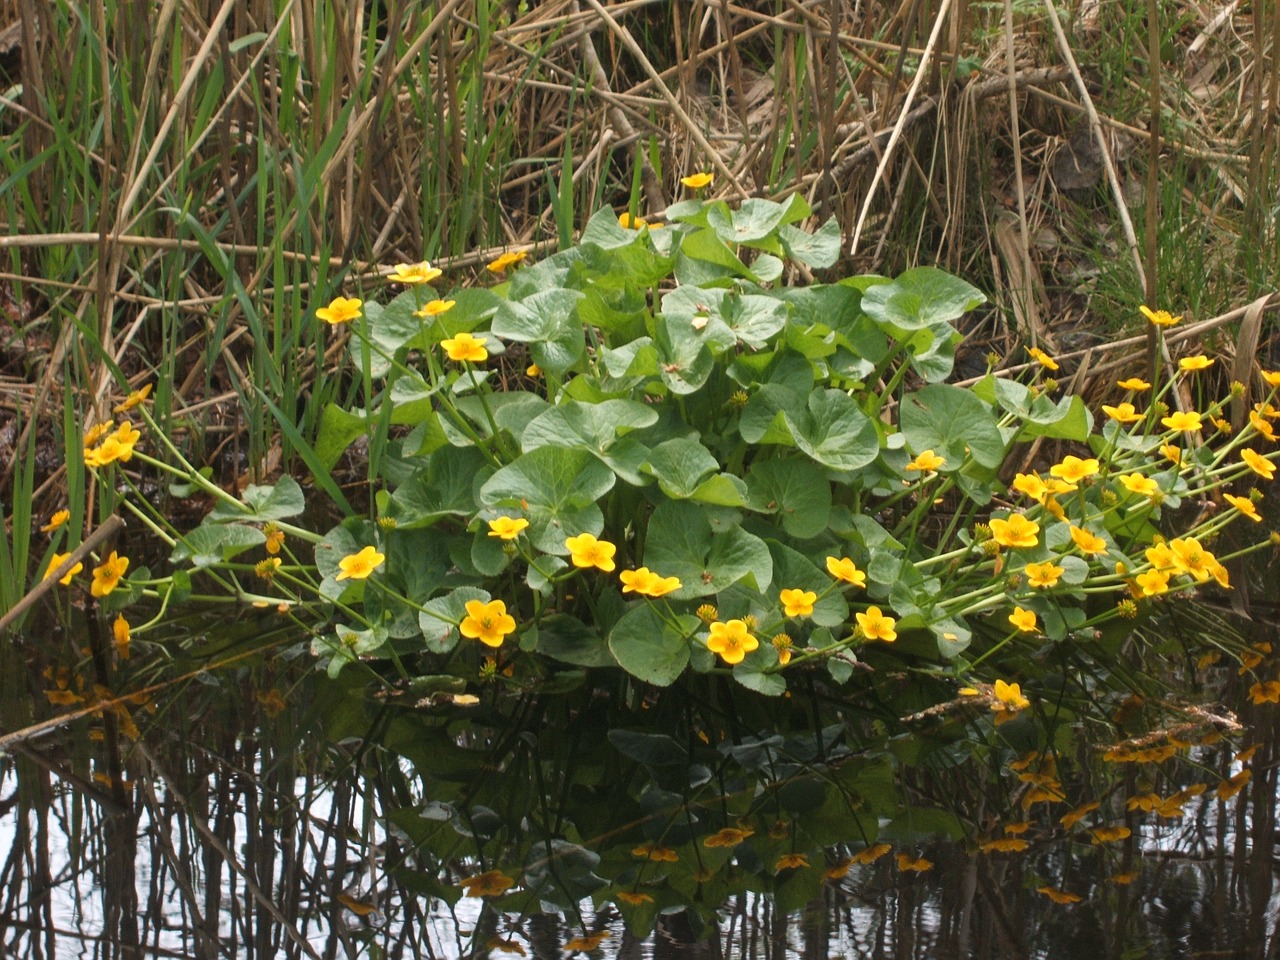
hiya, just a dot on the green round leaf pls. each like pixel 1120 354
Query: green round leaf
pixel 648 647
pixel 556 489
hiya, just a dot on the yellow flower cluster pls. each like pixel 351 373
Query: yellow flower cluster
pixel 1182 556
pixel 106 443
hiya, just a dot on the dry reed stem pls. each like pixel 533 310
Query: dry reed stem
pixel 841 131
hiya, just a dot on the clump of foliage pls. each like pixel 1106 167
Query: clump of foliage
pixel 708 474
pixel 700 457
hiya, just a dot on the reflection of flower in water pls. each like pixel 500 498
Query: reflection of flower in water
pixel 491 883
pixel 656 852
pixel 1059 896
pixel 728 837
pixel 791 861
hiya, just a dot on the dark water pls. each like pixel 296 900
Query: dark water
pixel 261 810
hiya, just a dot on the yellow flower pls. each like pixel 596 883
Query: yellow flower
pixel 1069 820
pixel 120 632
pixel 1124 413
pixel 487 622
pixel 275 538
pixel 926 462
pixel 1171 453
pixel 1191 558
pixel 465 347
pixel 871 854
pixel 1058 896
pixel 652 851
pixel 1160 556
pixel 1188 422
pixel 58 519
pixel 1124 879
pixel 358 566
pixel 56 561
pixel 1262 425
pixel 1220 575
pixel 412 274
pixel 1087 542
pixel 1072 469
pixel 1032 485
pixel 106 452
pixel 634 898
pixel 266 569
pixel 533 370
pixel 782 644
pixel 874 625
pixel 340 310
pixel 434 308
pixel 844 569
pixel 1142 486
pixel 134 399
pixel 696 181
pixel 731 640
pixel 627 222
pixel 1258 463
pixel 1152 583
pixel 127 437
pixel 645 581
pixel 1042 358
pixel 798 603
pixel 491 883
pixel 1016 531
pixel 586 551
pixel 1223 426
pixel 791 861
pixel 106 576
pixel 1024 620
pixel 1244 505
pixel 1008 696
pixel 1044 574
pixel 507 528
pixel 115 446
pixel 908 863
pixel 1198 362
pixel 505 261
pixel 1272 377
pixel 728 837
pixel 1161 318
pixel 97 432
pixel 707 613
pixel 1133 383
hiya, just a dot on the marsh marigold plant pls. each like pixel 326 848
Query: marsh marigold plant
pixel 656 457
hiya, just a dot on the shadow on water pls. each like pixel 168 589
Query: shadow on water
pixel 260 810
